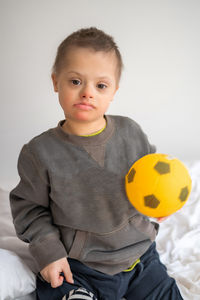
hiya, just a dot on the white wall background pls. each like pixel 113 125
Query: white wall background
pixel 160 88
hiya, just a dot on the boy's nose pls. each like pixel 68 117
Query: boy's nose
pixel 87 92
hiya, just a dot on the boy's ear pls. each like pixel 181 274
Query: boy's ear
pixel 54 80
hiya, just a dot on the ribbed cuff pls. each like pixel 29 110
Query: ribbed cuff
pixel 47 251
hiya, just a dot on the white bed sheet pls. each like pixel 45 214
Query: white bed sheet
pixel 178 241
pixel 16 279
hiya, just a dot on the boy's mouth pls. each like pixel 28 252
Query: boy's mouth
pixel 84 106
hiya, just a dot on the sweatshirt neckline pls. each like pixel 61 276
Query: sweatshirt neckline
pixel 95 140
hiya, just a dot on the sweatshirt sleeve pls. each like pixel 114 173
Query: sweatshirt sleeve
pixel 31 214
pixel 141 137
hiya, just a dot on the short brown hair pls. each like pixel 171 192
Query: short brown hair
pixel 88 38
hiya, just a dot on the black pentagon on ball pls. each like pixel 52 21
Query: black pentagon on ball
pixel 131 175
pixel 162 167
pixel 183 194
pixel 151 201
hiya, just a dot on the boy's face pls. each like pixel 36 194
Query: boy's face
pixel 86 84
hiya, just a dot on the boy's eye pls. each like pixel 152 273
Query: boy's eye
pixel 101 86
pixel 76 82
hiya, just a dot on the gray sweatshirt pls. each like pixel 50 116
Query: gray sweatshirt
pixel 71 199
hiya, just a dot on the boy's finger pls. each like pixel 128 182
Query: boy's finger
pixel 68 275
pixel 161 219
pixel 56 280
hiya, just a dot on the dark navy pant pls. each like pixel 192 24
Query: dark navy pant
pixel 148 280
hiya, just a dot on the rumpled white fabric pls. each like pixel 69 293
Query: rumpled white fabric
pixel 178 241
pixel 16 279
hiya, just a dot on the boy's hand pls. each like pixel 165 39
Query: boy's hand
pixel 161 219
pixel 51 273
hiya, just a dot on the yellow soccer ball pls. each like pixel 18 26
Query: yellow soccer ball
pixel 158 185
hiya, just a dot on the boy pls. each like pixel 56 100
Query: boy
pixel 89 242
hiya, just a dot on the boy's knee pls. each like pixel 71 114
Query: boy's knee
pixel 81 293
